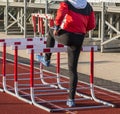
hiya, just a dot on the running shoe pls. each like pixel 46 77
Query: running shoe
pixel 70 103
pixel 42 60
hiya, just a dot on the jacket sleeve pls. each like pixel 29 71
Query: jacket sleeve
pixel 91 22
pixel 61 12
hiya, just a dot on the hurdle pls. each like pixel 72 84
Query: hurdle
pixel 105 104
pixel 7 43
pixel 18 44
pixel 31 49
pixel 38 23
pixel 40 18
pixel 91 77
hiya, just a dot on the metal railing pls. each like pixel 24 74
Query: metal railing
pixel 16 12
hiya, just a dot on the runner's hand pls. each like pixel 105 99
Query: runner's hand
pixel 55 32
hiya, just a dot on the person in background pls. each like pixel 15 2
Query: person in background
pixel 73 20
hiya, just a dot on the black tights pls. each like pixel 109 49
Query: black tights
pixel 74 43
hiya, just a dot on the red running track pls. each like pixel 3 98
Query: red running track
pixel 12 105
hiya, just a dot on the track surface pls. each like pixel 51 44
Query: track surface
pixel 12 105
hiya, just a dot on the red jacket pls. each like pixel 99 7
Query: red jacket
pixel 75 20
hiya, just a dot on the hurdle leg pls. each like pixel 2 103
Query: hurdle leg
pixel 43 80
pixel 3 67
pixel 59 83
pixel 92 97
pixel 15 71
pixel 42 77
pixel 58 72
pixel 16 77
pixel 4 71
pixel 91 80
pixel 32 83
pixel 34 25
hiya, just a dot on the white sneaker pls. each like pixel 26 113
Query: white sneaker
pixel 70 103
